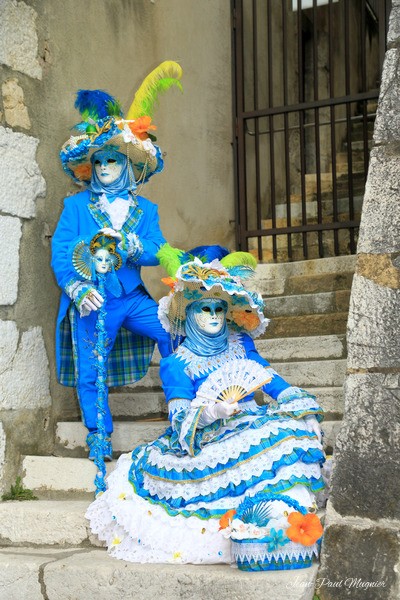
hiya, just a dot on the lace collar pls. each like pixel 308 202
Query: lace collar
pixel 199 365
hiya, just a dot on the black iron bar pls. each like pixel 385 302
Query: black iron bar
pixel 316 131
pixel 271 127
pixel 257 138
pixel 348 112
pixel 301 123
pixel 286 127
pixel 302 228
pixel 333 124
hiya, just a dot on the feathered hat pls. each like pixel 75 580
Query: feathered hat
pixel 103 124
pixel 210 272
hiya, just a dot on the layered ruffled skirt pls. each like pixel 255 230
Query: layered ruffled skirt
pixel 163 505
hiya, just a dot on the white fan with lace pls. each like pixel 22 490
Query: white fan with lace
pixel 233 381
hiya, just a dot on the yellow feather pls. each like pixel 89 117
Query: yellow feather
pixel 159 80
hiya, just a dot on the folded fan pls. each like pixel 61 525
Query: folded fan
pixel 234 380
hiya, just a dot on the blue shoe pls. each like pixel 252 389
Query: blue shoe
pixel 93 441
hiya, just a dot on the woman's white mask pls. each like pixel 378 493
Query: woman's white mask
pixel 210 318
pixel 108 169
pixel 102 261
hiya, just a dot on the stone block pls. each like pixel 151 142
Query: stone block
pixel 367 457
pixel 359 564
pixel 43 522
pixel 22 181
pixel 8 343
pixel 10 233
pixel 304 348
pixel 393 35
pixel 136 405
pixel 95 575
pixel 25 384
pixel 15 111
pixel 18 38
pixel 373 326
pixel 380 220
pixel 313 373
pixel 2 449
pixel 21 572
pixel 387 122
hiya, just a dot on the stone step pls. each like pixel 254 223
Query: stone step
pixel 307 325
pixel 271 279
pixel 71 435
pixel 85 573
pixel 322 347
pixel 129 403
pixel 55 476
pixel 308 304
pixel 327 373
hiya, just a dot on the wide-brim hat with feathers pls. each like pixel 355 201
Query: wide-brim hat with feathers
pixel 210 272
pixel 103 124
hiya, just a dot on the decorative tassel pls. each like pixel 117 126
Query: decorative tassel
pixel 166 75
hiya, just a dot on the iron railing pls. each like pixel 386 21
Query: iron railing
pixel 306 84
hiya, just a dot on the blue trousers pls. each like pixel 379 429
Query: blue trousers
pixel 135 311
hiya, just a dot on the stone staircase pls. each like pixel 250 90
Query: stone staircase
pixel 46 550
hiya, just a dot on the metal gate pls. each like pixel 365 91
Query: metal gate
pixel 306 84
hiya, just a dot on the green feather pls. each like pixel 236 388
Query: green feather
pixel 157 82
pixel 169 259
pixel 236 259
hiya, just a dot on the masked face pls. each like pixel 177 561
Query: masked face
pixel 108 166
pixel 210 315
pixel 102 261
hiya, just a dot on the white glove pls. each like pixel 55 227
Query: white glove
pixel 92 301
pixel 213 412
pixel 313 426
pixel 112 233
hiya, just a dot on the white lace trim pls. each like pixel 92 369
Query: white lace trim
pixel 235 475
pixel 259 551
pixel 199 365
pixel 229 448
pixel 177 405
pixel 295 405
pixel 117 210
pixel 139 531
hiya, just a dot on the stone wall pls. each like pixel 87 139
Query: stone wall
pixel 361 550
pixel 48 50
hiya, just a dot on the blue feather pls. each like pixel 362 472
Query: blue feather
pixel 258 514
pixel 205 253
pixel 242 271
pixel 94 103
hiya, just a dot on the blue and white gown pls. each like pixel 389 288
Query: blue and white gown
pixel 165 499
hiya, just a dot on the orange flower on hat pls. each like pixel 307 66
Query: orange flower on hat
pixel 226 519
pixel 304 529
pixel 141 126
pixel 83 172
pixel 248 320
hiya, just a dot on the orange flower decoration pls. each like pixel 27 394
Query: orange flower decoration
pixel 169 281
pixel 83 172
pixel 226 519
pixel 141 126
pixel 304 529
pixel 248 320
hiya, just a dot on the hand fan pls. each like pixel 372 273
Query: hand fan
pixel 234 380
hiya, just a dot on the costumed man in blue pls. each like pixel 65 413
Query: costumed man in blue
pixel 170 500
pixel 113 157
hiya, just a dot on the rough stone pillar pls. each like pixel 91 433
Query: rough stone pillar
pixel 361 549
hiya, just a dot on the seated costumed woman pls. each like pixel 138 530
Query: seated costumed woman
pixel 174 499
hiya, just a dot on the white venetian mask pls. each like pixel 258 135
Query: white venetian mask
pixel 102 261
pixel 108 168
pixel 211 317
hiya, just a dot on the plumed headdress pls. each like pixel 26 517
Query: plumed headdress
pixel 103 124
pixel 210 272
